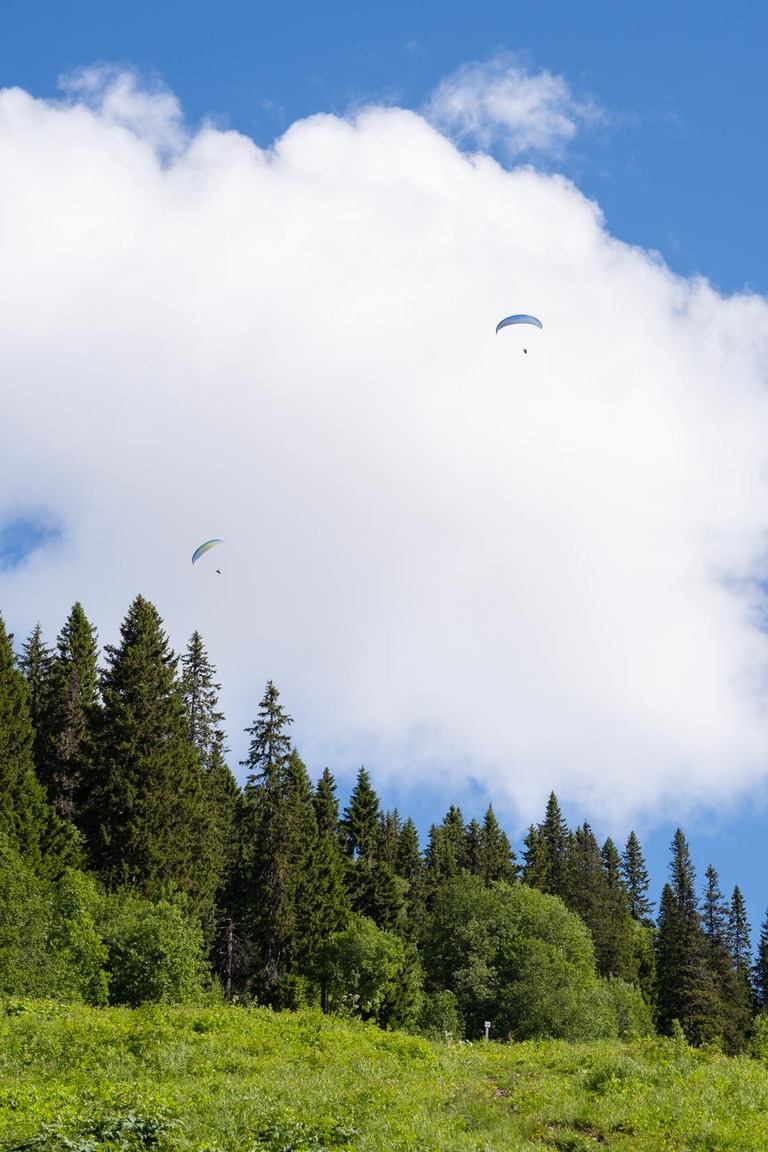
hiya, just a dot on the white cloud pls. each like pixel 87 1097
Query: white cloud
pixel 120 99
pixel 457 561
pixel 501 104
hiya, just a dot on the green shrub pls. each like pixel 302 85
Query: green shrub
pixel 633 1014
pixel 439 1017
pixel 368 972
pixel 522 960
pixel 25 916
pixel 155 954
pixel 78 954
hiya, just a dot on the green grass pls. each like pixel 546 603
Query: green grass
pixel 248 1080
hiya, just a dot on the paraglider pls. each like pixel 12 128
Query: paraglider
pixel 198 552
pixel 521 318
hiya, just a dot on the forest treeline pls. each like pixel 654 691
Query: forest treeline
pixel 134 867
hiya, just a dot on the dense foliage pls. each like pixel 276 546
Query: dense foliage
pixel 134 869
pixel 226 1079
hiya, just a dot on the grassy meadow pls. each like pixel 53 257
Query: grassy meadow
pixel 240 1079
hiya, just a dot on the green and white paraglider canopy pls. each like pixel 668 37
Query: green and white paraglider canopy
pixel 201 551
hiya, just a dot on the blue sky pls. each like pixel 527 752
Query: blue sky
pixel 20 538
pixel 679 167
pixel 660 122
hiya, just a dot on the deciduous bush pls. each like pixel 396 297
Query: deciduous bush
pixel 155 953
pixel 368 972
pixel 521 959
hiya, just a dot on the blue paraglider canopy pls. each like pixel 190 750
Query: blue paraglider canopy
pixel 520 319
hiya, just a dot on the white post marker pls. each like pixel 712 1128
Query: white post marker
pixel 487 1028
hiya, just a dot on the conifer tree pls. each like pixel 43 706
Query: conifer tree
pixel 731 1017
pixel 498 860
pixel 35 662
pixel 473 850
pixel 327 807
pixel 739 934
pixel 636 880
pixel 410 867
pixel 361 821
pixel 390 828
pixel 743 1004
pixel 547 853
pixel 374 888
pixel 454 839
pixel 292 870
pixel 714 914
pixel 626 947
pixel 221 794
pixel 144 811
pixel 587 888
pixel 760 968
pixel 437 864
pixel 332 897
pixel 446 853
pixel 598 897
pixel 201 698
pixel 22 803
pixel 74 714
pixel 612 866
pixel 534 868
pixel 410 863
pixel 43 840
pixel 687 990
pixel 268 878
pixel 309 895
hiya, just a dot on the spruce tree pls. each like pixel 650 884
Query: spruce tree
pixel 45 843
pixel 439 867
pixel 636 880
pixel 587 888
pixel 22 801
pixel 201 698
pixel 410 863
pixel 74 713
pixel 410 867
pixel 473 850
pixel 612 866
pixel 327 807
pixel 269 881
pixel 498 861
pixel 332 897
pixel 144 811
pixel 35 662
pixel 598 897
pixel 309 895
pixel 760 968
pixel 714 914
pixel 454 839
pixel 627 944
pixel 361 821
pixel 739 937
pixel 739 933
pixel 221 793
pixel 534 870
pixel 547 853
pixel 446 853
pixel 390 826
pixel 687 989
pixel 374 888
